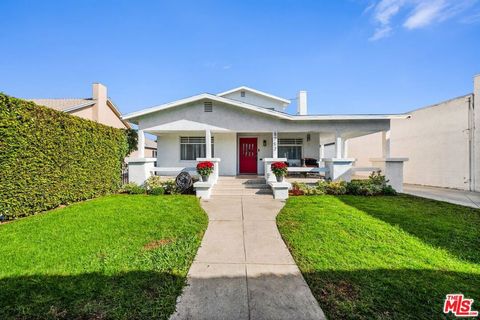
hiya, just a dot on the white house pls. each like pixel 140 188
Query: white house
pixel 248 129
pixel 442 142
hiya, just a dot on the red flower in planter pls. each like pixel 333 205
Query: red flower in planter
pixel 279 169
pixel 205 168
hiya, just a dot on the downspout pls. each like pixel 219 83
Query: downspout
pixel 471 142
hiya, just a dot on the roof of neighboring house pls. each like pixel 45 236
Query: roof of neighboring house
pixel 73 104
pixel 245 88
pixel 132 117
pixel 149 143
pixel 64 104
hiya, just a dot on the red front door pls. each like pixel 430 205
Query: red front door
pixel 248 155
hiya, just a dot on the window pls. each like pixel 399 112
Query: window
pixel 208 106
pixel 290 148
pixel 192 148
pixel 242 94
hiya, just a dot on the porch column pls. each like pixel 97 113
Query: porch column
pixel 274 144
pixel 208 144
pixel 322 152
pixel 338 146
pixel 386 144
pixel 141 144
pixel 345 149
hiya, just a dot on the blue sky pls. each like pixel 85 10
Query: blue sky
pixel 352 56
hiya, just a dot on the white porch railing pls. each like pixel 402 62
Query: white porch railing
pixel 306 169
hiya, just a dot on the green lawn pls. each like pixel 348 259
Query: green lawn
pixel 115 257
pixel 383 257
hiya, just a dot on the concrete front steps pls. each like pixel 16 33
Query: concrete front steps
pixel 241 186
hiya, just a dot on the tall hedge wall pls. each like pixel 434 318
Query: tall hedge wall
pixel 49 158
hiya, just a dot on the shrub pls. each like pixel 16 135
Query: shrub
pixel 133 188
pixel 170 187
pixel 49 158
pixel 377 178
pixel 153 182
pixel 363 188
pixel 336 187
pixel 157 191
pixel 389 191
pixel 300 189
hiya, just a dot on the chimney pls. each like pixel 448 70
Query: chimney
pixel 99 93
pixel 302 103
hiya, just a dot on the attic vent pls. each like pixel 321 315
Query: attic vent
pixel 242 94
pixel 290 142
pixel 208 106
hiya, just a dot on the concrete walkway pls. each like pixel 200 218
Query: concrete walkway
pixel 243 270
pixel 461 197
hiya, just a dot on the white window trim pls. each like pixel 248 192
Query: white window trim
pixel 180 147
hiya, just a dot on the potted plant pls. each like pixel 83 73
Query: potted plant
pixel 279 169
pixel 204 169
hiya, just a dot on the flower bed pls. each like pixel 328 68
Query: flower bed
pixel 375 185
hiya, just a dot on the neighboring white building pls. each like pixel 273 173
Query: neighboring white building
pixel 442 142
pixel 249 129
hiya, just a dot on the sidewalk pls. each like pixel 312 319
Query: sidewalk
pixel 464 198
pixel 243 270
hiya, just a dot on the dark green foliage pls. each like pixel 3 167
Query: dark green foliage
pixel 388 191
pixel 157 191
pixel 364 188
pixel 133 188
pixel 375 185
pixel 49 158
pixel 132 140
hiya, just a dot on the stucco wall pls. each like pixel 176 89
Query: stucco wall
pixel 435 139
pixel 109 118
pixel 86 113
pixel 476 157
pixel 168 154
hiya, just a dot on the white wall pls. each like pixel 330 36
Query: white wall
pixel 476 156
pixel 168 154
pixel 435 139
pixel 255 99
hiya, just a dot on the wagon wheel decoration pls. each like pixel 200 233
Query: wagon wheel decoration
pixel 184 182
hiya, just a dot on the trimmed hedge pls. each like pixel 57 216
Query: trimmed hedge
pixel 49 158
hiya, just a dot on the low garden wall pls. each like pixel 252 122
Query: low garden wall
pixel 49 158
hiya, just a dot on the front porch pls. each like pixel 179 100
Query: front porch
pixel 316 154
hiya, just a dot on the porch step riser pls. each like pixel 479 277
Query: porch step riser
pixel 235 186
pixel 220 193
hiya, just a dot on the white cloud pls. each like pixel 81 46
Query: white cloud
pixel 424 14
pixel 415 13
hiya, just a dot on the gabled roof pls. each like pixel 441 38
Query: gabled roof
pixel 206 96
pixel 64 104
pixel 245 88
pixel 72 104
